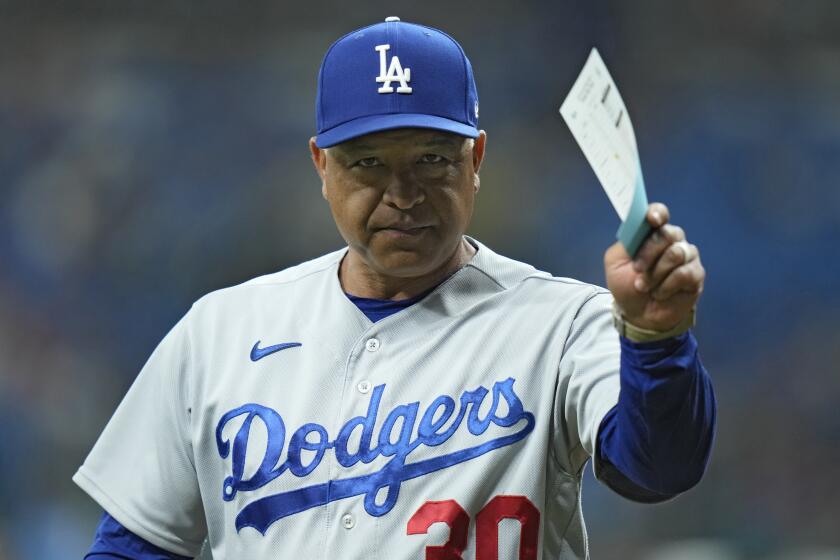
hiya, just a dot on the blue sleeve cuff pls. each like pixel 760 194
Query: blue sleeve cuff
pixel 114 542
pixel 660 356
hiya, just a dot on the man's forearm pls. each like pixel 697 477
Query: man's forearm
pixel 659 435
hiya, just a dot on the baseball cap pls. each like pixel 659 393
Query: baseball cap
pixel 394 74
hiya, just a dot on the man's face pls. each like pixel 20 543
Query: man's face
pixel 402 199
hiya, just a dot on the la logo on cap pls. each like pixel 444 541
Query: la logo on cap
pixel 394 73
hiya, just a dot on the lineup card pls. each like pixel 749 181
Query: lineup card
pixel 598 119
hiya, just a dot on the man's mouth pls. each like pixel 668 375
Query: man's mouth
pixel 401 231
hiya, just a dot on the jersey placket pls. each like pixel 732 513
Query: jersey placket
pixel 349 525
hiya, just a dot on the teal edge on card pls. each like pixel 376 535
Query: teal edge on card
pixel 634 228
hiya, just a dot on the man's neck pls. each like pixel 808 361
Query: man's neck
pixel 359 279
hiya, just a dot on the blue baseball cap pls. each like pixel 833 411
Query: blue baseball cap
pixel 394 75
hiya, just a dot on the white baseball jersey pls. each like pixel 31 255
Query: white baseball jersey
pixel 277 421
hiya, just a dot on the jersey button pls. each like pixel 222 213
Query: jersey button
pixel 372 345
pixel 364 386
pixel 347 521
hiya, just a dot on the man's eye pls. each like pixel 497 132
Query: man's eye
pixel 431 158
pixel 367 162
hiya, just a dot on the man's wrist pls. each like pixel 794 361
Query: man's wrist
pixel 639 334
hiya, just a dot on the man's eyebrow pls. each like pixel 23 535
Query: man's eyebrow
pixel 352 147
pixel 356 147
pixel 442 141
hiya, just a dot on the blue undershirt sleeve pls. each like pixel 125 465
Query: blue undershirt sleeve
pixel 115 542
pixel 656 442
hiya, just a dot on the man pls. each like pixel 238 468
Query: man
pixel 403 396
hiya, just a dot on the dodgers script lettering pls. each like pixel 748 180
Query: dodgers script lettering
pixel 436 426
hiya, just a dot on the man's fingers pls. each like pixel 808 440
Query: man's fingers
pixel 658 215
pixel 686 278
pixel 655 244
pixel 675 255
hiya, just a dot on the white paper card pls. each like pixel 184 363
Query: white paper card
pixel 598 119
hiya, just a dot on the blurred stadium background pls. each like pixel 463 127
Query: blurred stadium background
pixel 153 151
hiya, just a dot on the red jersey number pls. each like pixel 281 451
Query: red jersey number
pixel 449 512
pixel 486 527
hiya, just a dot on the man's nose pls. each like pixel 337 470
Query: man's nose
pixel 403 191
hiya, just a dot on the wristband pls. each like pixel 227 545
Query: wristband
pixel 637 334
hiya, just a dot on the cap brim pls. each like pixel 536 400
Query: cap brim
pixel 377 123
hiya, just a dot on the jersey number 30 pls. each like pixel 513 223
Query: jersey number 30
pixel 486 527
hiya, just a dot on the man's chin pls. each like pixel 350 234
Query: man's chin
pixel 406 263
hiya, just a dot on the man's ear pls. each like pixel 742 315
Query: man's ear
pixel 319 160
pixel 478 156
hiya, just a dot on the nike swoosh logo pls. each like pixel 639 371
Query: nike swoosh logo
pixel 258 353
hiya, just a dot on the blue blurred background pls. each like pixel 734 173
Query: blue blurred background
pixel 151 152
